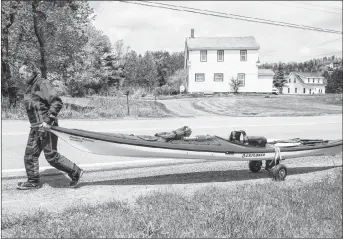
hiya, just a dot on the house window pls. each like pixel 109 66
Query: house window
pixel 295 81
pixel 304 90
pixel 289 80
pixel 313 80
pixel 199 77
pixel 243 55
pixel 308 80
pixel 241 78
pixel 310 91
pixel 203 55
pixel 220 55
pixel 218 76
pixel 289 90
pixel 295 90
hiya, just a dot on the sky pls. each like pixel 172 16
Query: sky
pixel 152 29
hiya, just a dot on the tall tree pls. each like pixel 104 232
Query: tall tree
pixel 279 79
pixel 147 72
pixel 335 82
pixel 162 59
pixel 39 24
pixel 49 33
pixel 131 69
pixel 9 11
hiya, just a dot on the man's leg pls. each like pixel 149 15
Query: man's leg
pixel 31 161
pixel 59 161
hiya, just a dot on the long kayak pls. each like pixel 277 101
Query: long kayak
pixel 215 148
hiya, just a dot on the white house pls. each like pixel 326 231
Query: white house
pixel 212 62
pixel 304 83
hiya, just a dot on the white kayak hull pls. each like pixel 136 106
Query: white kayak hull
pixel 101 147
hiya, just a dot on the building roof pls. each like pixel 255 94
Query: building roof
pixel 223 43
pixel 298 76
pixel 308 74
pixel 266 72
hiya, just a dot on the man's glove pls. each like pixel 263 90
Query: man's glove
pixel 45 127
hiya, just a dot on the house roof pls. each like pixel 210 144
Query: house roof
pixel 309 74
pixel 225 43
pixel 266 72
pixel 306 83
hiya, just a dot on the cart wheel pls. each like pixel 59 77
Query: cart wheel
pixel 255 166
pixel 279 172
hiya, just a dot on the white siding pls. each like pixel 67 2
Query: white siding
pixel 314 87
pixel 230 67
pixel 264 84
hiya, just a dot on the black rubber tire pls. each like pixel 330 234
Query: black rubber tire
pixel 279 172
pixel 255 166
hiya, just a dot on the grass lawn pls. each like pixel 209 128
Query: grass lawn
pixel 230 105
pixel 96 108
pixel 281 105
pixel 273 209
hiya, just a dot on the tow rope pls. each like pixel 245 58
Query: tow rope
pixel 277 157
pixel 277 154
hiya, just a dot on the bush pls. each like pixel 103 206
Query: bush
pixel 76 88
pixel 157 91
pixel 60 87
pixel 165 90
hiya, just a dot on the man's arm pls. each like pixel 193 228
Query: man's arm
pixel 54 101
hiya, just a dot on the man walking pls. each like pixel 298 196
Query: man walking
pixel 43 105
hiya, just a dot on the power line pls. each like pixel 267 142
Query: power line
pixel 318 5
pixel 324 43
pixel 304 47
pixel 235 15
pixel 277 52
pixel 311 9
pixel 179 8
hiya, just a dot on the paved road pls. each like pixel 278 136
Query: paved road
pixel 14 136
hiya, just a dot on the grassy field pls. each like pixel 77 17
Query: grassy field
pixel 96 108
pixel 229 105
pixel 310 210
pixel 281 105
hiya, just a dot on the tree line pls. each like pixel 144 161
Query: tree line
pixel 313 65
pixel 334 77
pixel 78 58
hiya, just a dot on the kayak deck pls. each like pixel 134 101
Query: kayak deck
pixel 144 143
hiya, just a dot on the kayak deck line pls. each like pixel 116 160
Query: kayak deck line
pixel 217 145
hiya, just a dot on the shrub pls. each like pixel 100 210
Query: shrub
pixel 165 90
pixel 235 83
pixel 76 88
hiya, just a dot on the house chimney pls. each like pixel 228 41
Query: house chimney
pixel 192 33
